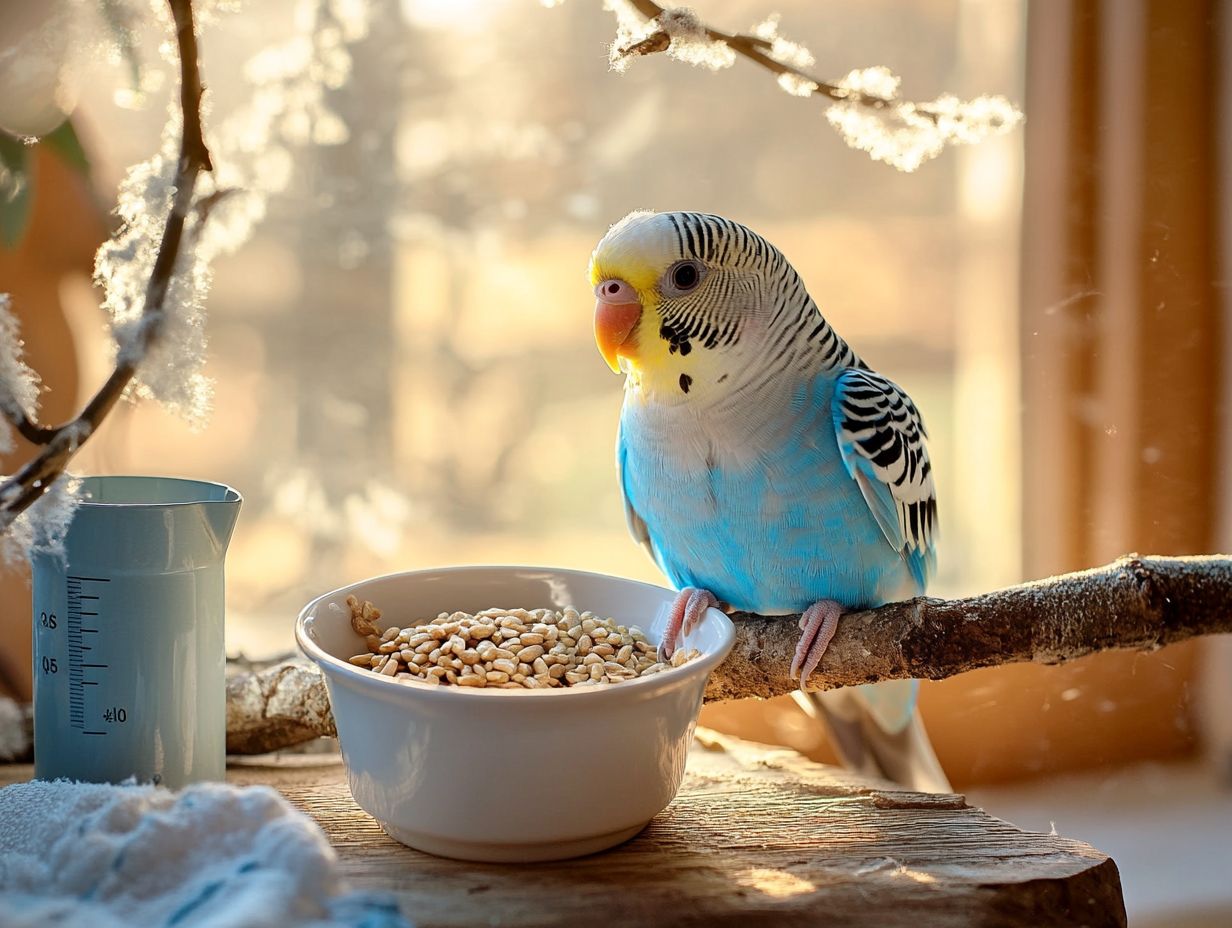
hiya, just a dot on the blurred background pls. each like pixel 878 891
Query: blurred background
pixel 406 375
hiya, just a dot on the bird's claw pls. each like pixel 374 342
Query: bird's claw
pixel 818 623
pixel 688 609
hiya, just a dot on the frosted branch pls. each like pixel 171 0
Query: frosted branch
pixel 865 106
pixel 19 492
pixel 43 530
pixel 19 385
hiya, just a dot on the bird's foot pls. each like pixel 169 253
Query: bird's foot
pixel 819 623
pixel 687 611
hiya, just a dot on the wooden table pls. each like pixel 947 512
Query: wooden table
pixel 756 836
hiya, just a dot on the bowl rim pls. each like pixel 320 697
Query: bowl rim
pixel 666 679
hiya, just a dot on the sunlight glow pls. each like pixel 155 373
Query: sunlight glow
pixel 776 883
pixel 453 15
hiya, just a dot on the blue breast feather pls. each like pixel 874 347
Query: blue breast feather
pixel 787 527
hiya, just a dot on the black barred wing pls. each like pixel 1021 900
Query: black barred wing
pixel 881 438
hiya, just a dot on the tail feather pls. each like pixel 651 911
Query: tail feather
pixel 876 731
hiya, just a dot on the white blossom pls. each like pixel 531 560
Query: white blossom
pixel 19 384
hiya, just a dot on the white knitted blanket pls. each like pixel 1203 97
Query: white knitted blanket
pixel 209 856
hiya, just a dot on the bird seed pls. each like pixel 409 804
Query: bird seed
pixel 508 649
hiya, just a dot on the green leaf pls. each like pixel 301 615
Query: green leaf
pixel 65 143
pixel 14 189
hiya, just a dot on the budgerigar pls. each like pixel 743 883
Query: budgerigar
pixel 763 464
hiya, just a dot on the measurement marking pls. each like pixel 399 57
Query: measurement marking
pixel 77 699
pixel 77 649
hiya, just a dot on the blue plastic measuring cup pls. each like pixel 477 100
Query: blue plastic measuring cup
pixel 129 657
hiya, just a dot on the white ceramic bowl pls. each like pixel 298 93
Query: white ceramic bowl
pixel 510 775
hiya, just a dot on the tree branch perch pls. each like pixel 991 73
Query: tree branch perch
pixel 1136 603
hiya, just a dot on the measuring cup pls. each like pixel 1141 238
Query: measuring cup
pixel 129 661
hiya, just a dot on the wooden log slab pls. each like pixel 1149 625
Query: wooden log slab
pixel 757 837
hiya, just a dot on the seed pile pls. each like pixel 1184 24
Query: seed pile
pixel 508 648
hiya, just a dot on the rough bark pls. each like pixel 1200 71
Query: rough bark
pixel 1136 603
pixel 755 838
pixel 16 732
pixel 277 707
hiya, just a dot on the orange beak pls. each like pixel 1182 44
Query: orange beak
pixel 617 313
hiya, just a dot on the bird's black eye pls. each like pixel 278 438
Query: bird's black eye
pixel 686 275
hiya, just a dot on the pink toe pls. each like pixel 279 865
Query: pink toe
pixel 820 622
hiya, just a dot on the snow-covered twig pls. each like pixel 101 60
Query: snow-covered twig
pixel 60 443
pixel 19 385
pixel 669 23
pixel 865 107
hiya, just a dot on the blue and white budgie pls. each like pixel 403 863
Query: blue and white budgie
pixel 764 466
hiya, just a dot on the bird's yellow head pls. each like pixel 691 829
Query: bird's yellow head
pixel 680 299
